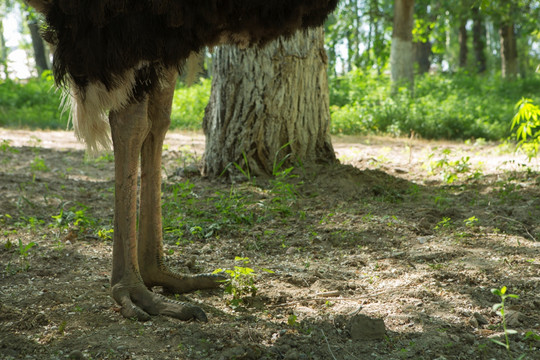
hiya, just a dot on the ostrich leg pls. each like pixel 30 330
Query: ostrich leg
pixel 150 246
pixel 129 128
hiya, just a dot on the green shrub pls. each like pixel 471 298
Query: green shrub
pixel 35 103
pixel 31 104
pixel 444 106
pixel 526 127
pixel 449 106
pixel 189 104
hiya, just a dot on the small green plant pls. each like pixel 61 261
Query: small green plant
pixel 5 147
pixel 38 164
pixel 245 172
pixel 526 127
pixel 531 337
pixel 23 249
pixel 74 216
pixel 285 191
pixel 62 327
pixel 292 320
pixel 105 234
pixel 241 282
pixel 445 223
pixel 448 169
pixel 500 308
pixel 23 254
pixel 471 222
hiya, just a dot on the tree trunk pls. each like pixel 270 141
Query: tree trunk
pixel 401 52
pixel 479 40
pixel 422 56
pixel 268 104
pixel 355 48
pixel 422 46
pixel 3 51
pixel 39 48
pixel 509 55
pixel 462 38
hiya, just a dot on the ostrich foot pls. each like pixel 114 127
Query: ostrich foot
pixel 140 303
pixel 180 283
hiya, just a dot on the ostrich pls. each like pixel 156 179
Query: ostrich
pixel 118 61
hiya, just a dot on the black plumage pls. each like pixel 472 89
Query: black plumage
pixel 99 40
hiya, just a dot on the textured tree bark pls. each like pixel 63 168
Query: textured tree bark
pixel 462 38
pixel 268 103
pixel 39 48
pixel 401 52
pixel 479 40
pixel 509 55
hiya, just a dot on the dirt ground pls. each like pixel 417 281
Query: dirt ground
pixel 382 257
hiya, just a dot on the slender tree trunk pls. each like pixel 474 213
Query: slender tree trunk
pixel 462 38
pixel 422 47
pixel 3 51
pixel 401 52
pixel 268 104
pixel 422 56
pixel 479 40
pixel 356 34
pixel 39 48
pixel 371 23
pixel 509 55
pixel 378 39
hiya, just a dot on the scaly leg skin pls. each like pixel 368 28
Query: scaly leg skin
pixel 129 128
pixel 150 246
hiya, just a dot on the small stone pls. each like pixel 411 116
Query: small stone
pixel 473 322
pixel 291 250
pixel 76 355
pixel 423 239
pixel 362 327
pixel 513 318
pixel 480 318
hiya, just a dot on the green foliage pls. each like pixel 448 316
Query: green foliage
pixel 32 104
pixel 450 170
pixel 76 216
pixel 500 307
pixel 457 106
pixel 189 104
pixel 23 250
pixel 445 223
pixel 241 281
pixel 471 222
pixel 187 217
pixel 526 126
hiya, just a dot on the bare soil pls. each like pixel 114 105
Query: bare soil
pixel 377 258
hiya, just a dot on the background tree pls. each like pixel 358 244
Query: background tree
pixel 479 40
pixel 6 6
pixel 267 105
pixel 426 13
pixel 29 20
pixel 401 54
pixel 38 45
